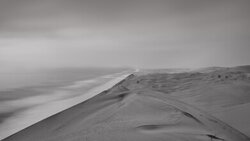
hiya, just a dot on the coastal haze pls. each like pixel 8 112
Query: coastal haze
pixel 137 33
pixel 31 97
pixel 109 70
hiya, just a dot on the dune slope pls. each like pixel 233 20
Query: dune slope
pixel 132 110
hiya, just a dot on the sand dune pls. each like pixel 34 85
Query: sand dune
pixel 148 107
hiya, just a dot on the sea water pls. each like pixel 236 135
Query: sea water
pixel 17 113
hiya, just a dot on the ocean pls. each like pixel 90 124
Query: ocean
pixel 23 103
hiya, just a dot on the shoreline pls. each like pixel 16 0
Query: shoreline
pixel 41 112
pixel 135 109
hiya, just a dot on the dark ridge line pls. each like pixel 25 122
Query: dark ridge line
pixel 192 117
pixel 214 137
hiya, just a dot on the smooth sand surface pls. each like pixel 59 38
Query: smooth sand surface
pixel 151 107
pixel 237 116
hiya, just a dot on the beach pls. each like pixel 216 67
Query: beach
pixel 153 107
pixel 37 108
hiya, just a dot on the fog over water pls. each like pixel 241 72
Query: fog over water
pixel 19 113
pixel 118 33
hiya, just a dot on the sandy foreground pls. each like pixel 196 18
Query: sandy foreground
pixel 152 107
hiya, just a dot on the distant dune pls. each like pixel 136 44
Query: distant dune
pixel 156 106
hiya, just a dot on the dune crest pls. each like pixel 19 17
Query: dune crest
pixel 148 107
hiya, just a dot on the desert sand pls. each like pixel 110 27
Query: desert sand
pixel 155 106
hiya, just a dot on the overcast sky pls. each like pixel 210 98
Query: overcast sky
pixel 118 33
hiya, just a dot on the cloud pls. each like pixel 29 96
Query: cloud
pixel 139 33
